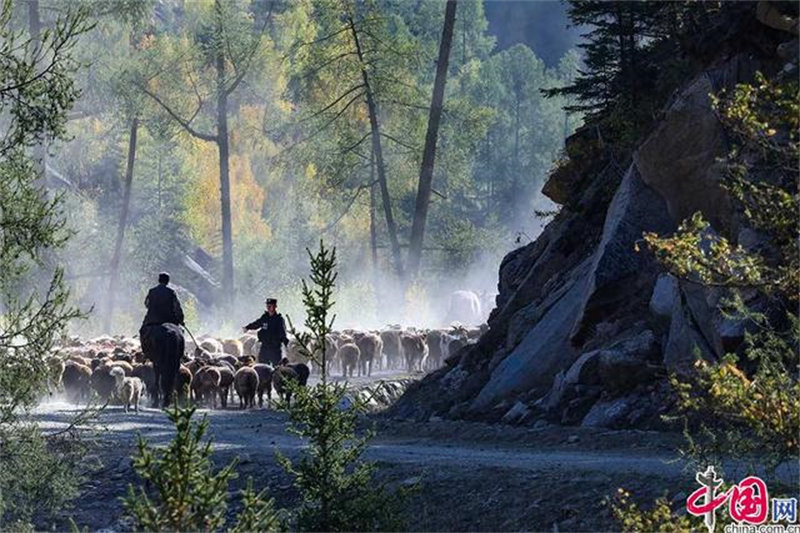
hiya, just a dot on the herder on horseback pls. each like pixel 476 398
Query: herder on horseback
pixel 161 336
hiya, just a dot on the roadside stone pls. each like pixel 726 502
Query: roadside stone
pixel 516 414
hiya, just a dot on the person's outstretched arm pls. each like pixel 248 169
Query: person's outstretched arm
pixel 255 324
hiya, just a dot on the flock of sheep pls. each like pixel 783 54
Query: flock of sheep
pixel 115 369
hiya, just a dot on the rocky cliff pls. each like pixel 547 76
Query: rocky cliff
pixel 587 326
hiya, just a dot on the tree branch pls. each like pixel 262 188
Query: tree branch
pixel 186 125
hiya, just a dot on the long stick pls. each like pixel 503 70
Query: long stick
pixel 192 336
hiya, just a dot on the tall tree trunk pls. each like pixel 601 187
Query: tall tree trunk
pixel 224 181
pixel 373 231
pixel 123 221
pixel 378 150
pixel 429 154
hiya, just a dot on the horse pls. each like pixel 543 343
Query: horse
pixel 163 344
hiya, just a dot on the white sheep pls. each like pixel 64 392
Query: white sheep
pixel 128 389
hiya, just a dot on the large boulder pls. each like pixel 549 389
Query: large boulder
pixel 583 148
pixel 678 159
pixel 543 351
pixel 619 272
pixel 685 340
pixel 620 367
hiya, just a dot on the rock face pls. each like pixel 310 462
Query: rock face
pixel 679 158
pixel 587 325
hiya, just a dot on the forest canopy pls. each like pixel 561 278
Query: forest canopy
pixel 265 103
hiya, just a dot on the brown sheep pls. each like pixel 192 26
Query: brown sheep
pixel 195 365
pixel 415 350
pixel 434 342
pixel 392 347
pixel 183 383
pixel 146 373
pixel 245 360
pixel 350 355
pixel 80 360
pixel 371 347
pixel 303 371
pixel 77 379
pixel 103 382
pixel 246 385
pixel 227 358
pixel 280 381
pixel 226 380
pixel 206 385
pixel 264 383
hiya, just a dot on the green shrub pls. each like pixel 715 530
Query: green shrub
pixel 336 486
pixel 745 406
pixel 182 491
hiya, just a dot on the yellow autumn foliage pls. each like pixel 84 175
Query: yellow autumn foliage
pixel 203 200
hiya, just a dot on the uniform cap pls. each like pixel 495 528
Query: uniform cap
pixel 272 301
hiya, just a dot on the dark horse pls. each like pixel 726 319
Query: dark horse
pixel 163 344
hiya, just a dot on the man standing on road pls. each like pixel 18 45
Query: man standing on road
pixel 271 332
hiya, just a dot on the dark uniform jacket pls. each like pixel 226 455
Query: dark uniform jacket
pixel 272 332
pixel 162 306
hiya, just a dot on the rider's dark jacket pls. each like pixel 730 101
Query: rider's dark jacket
pixel 162 306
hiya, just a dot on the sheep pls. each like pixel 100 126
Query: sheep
pixel 293 352
pixel 249 341
pixel 78 359
pixel 76 379
pixel 55 373
pixel 281 376
pixel 350 356
pixel 206 385
pixel 146 373
pixel 233 347
pixel 196 364
pixel 301 369
pixel 415 350
pixel 102 381
pixel 246 385
pixel 392 347
pixel 128 389
pixel 211 345
pixel 371 347
pixel 124 365
pixel 183 383
pixel 232 360
pixel 434 342
pixel 264 382
pixel 225 382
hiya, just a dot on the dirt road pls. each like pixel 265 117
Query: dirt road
pixel 471 476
